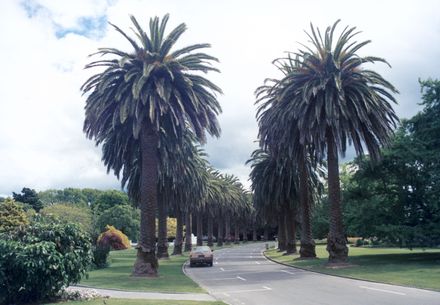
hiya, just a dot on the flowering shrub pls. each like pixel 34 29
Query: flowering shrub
pixel 113 238
pixel 75 294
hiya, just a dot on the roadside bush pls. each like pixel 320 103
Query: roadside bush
pixel 123 217
pixel 11 215
pixel 100 256
pixel 113 238
pixel 72 214
pixel 37 261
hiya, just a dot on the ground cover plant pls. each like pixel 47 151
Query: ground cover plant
pixel 416 268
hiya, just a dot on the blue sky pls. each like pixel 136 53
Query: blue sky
pixel 45 44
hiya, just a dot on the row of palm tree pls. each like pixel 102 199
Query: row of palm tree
pixel 325 100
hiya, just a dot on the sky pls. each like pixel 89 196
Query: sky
pixel 45 45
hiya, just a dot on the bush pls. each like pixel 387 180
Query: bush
pixel 123 217
pixel 100 256
pixel 11 215
pixel 37 261
pixel 113 238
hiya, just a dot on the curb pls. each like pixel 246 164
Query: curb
pixel 344 277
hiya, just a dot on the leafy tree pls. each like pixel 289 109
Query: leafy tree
pixel 122 217
pixel 68 213
pixel 30 197
pixel 11 215
pixel 327 100
pixel 139 95
pixel 397 199
pixel 109 199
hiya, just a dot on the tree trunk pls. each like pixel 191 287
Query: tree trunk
pixel 188 242
pixel 179 233
pixel 254 233
pixel 236 232
pixel 220 223
pixel 245 236
pixel 281 232
pixel 199 228
pixel 227 230
pixel 162 232
pixel 266 233
pixel 307 249
pixel 146 263
pixel 336 242
pixel 210 230
pixel 290 230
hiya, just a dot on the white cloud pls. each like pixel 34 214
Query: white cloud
pixel 41 139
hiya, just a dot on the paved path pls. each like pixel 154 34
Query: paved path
pixel 243 276
pixel 147 295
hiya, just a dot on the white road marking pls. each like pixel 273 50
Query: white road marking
pixel 228 295
pixel 257 263
pixel 250 290
pixel 383 290
pixel 287 271
pixel 240 278
pixel 222 269
pixel 222 279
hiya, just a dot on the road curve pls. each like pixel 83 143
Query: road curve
pixel 243 276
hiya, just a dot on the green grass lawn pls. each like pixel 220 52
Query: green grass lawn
pixel 416 268
pixel 118 275
pixel 138 302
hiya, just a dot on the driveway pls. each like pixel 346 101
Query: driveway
pixel 243 276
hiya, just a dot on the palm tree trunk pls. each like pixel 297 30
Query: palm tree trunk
pixel 237 232
pixel 266 233
pixel 254 233
pixel 162 232
pixel 290 230
pixel 245 236
pixel 220 232
pixel 146 263
pixel 188 230
pixel 210 230
pixel 281 232
pixel 336 242
pixel 200 228
pixel 179 233
pixel 307 249
pixel 227 230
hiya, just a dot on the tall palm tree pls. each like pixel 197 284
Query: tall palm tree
pixel 140 94
pixel 330 99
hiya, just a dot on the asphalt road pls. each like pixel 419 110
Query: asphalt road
pixel 243 276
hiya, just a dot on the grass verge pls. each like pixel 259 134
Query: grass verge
pixel 139 302
pixel 118 275
pixel 415 268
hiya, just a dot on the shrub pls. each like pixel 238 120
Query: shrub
pixel 100 256
pixel 11 215
pixel 38 260
pixel 113 238
pixel 123 217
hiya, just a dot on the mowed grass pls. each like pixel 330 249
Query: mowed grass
pixel 416 268
pixel 118 275
pixel 139 302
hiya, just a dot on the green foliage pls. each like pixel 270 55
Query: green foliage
pixel 109 199
pixel 38 260
pixel 71 214
pixel 123 217
pixel 81 197
pixel 100 256
pixel 397 199
pixel 29 196
pixel 11 215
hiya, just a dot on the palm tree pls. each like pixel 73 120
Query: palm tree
pixel 137 96
pixel 328 98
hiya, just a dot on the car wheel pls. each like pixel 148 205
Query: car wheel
pixel 210 264
pixel 191 264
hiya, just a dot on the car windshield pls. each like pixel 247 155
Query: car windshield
pixel 202 249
